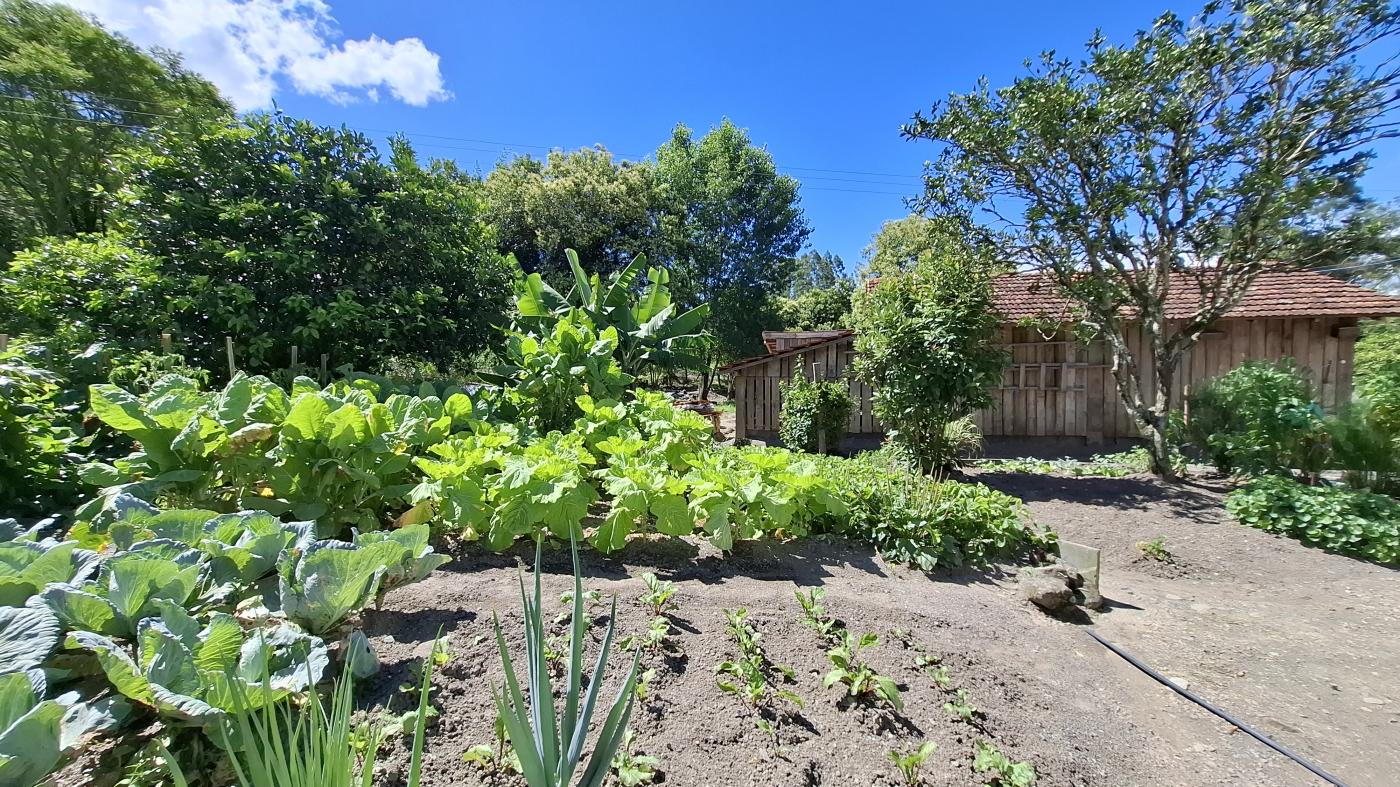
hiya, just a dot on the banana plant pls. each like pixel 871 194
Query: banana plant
pixel 548 743
pixel 652 331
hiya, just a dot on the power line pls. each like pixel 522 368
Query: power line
pixel 111 123
pixel 1357 265
pixel 115 124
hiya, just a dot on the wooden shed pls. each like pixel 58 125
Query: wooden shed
pixel 1055 387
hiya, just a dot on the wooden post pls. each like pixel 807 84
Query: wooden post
pixel 228 346
pixel 740 396
pixel 4 342
pixel 165 342
pixel 325 362
pixel 294 358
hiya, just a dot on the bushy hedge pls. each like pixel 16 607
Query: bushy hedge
pixel 814 413
pixel 1349 521
pixel 38 470
pixel 1261 417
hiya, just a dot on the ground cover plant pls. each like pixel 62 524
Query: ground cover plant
pixel 1349 521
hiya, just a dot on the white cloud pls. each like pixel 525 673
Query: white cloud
pixel 250 48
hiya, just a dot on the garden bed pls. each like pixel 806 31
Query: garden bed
pixel 1046 694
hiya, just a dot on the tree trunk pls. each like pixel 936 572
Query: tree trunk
pixel 1152 420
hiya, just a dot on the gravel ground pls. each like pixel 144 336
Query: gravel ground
pixel 1296 641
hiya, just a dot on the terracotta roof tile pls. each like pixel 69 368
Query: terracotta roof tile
pixel 1273 293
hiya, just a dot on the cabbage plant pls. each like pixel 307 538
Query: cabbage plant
pixel 195 672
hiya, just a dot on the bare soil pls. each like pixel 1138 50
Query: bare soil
pixel 1297 642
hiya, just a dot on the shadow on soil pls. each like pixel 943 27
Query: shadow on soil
pixel 1190 497
pixel 805 562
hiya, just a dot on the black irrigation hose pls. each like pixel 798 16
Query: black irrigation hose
pixel 1257 735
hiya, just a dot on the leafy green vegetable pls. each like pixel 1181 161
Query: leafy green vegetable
pixel 131 587
pixel 194 674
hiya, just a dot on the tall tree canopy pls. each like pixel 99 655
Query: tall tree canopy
pixel 735 226
pixel 817 270
pixel 606 210
pixel 279 232
pixel 72 97
pixel 1351 238
pixel 900 243
pixel 1176 161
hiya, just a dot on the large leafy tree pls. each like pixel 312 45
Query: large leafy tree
pixel 609 211
pixel 278 232
pixel 1174 163
pixel 72 97
pixel 735 225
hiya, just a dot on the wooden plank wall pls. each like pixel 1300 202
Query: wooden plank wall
pixel 756 393
pixel 1053 387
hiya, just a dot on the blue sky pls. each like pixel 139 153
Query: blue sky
pixel 824 87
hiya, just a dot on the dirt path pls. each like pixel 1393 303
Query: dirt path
pixel 1262 626
pixel 1302 644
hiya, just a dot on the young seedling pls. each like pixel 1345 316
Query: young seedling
pixel 1005 773
pixel 861 681
pixel 814 614
pixel 498 759
pixel 644 680
pixel 750 676
pixel 654 639
pixel 658 593
pixel 932 665
pixel 591 599
pixel 909 764
pixel 1156 549
pixel 633 769
pixel 960 707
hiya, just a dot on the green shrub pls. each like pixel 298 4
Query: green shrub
pixel 814 413
pixel 1259 418
pixel 1363 447
pixel 1352 522
pixel 912 518
pixel 73 292
pixel 37 431
pixel 926 344
pixel 278 232
pixel 1378 348
pixel 1380 388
